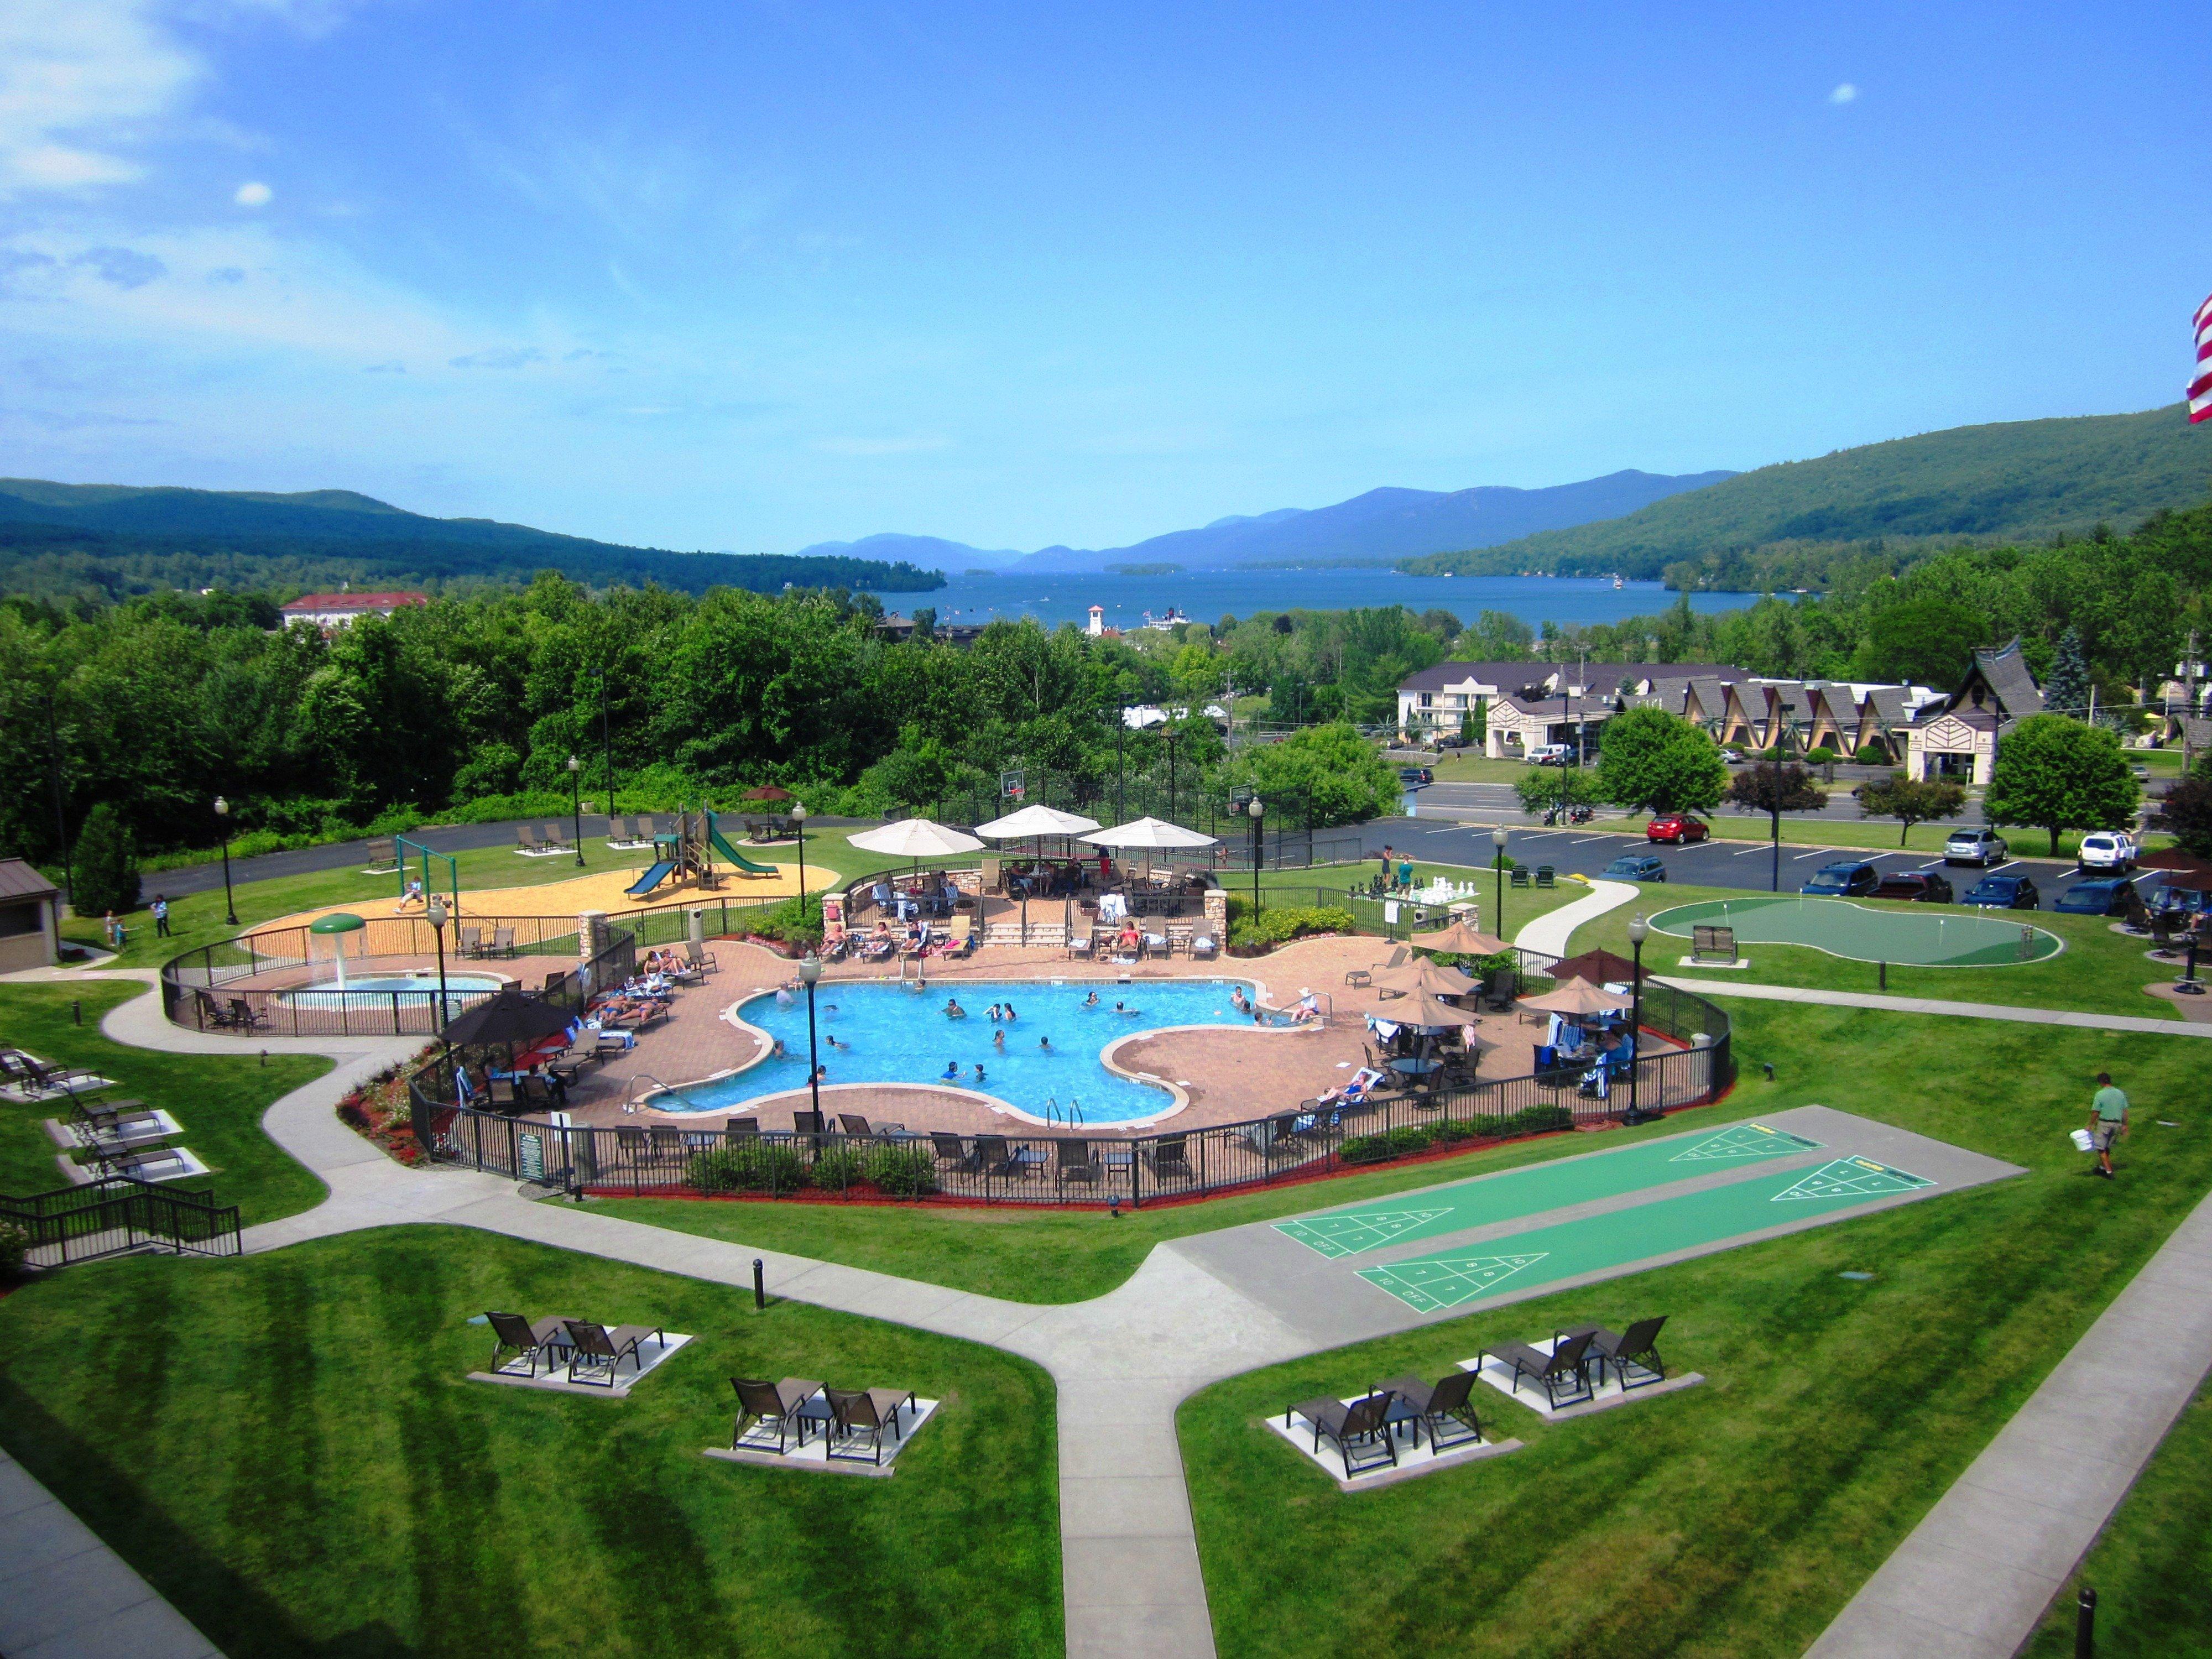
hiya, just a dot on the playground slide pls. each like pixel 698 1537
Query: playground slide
pixel 651 879
pixel 714 838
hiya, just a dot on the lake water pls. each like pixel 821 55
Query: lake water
pixel 1208 595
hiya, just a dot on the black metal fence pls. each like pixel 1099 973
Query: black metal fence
pixel 1303 1140
pixel 119 1213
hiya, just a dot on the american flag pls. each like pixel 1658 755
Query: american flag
pixel 2200 379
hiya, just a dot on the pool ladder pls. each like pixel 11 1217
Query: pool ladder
pixel 1072 1116
pixel 632 1099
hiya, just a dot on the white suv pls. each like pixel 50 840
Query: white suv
pixel 2107 849
pixel 1979 846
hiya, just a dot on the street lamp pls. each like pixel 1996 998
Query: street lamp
pixel 1638 930
pixel 576 804
pixel 1258 810
pixel 607 741
pixel 798 818
pixel 222 818
pixel 1171 738
pixel 435 911
pixel 810 971
pixel 1497 843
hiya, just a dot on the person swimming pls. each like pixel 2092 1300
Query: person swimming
pixel 778 1052
pixel 1010 1011
pixel 1091 1001
pixel 1239 1001
pixel 993 1014
pixel 1045 1043
pixel 999 1041
pixel 953 1009
pixel 951 1070
pixel 1124 1008
pixel 979 1071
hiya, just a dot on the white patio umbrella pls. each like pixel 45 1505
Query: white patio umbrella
pixel 916 838
pixel 1150 835
pixel 1036 821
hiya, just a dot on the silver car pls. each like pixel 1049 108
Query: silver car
pixel 1983 846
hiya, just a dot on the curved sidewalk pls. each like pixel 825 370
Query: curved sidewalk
pixel 1718 988
pixel 1550 932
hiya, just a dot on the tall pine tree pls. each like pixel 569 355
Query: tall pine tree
pixel 2067 690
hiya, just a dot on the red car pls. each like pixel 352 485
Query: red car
pixel 1677 827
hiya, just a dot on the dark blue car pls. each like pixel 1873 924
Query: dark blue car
pixel 1845 880
pixel 2097 898
pixel 2003 893
pixel 1635 866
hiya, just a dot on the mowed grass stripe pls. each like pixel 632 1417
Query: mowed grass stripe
pixel 1541 1187
pixel 1430 1284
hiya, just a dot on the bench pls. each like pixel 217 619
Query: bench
pixel 1713 944
pixel 383 857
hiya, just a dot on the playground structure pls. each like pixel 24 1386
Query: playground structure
pixel 686 852
pixel 417 890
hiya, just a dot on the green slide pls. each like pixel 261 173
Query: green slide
pixel 715 840
pixel 1536 1188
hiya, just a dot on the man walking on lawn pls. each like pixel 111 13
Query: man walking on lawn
pixel 2108 1122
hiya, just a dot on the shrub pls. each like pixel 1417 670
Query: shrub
pixel 902 1171
pixel 836 1168
pixel 771 1167
pixel 1823 756
pixel 1276 925
pixel 104 874
pixel 1872 754
pixel 14 1247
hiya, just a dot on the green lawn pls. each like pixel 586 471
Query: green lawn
pixel 288 1448
pixel 218 1100
pixel 2099 971
pixel 2152 1570
pixel 1736 1517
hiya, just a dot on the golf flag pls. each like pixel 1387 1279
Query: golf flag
pixel 2200 377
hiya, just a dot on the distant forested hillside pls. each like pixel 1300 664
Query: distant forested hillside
pixel 1789 525
pixel 109 542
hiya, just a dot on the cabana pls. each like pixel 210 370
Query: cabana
pixel 917 839
pixel 1038 825
pixel 1149 836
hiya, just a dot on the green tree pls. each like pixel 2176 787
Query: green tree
pixel 1649 758
pixel 1542 787
pixel 2054 773
pixel 1496 636
pixel 1911 801
pixel 1342 777
pixel 2186 813
pixel 1474 724
pixel 1923 639
pixel 104 871
pixel 1774 789
pixel 2066 688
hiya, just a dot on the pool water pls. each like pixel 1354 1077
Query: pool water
pixel 377 989
pixel 899 1035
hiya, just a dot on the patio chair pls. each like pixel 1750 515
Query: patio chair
pixel 952 1154
pixel 245 1017
pixel 600 1352
pixel 1446 1411
pixel 1544 876
pixel 1168 1160
pixel 503 941
pixel 528 1339
pixel 738 1129
pixel 38 1076
pixel 1077 1166
pixel 526 835
pixel 472 942
pixel 809 1124
pixel 212 1016
pixel 112 1117
pixel 1079 945
pixel 1202 945
pixel 1499 988
pixel 1361 1428
pixel 1566 1367
pixel 1520 877
pixel 699 957
pixel 1635 1350
pixel 860 1417
pixel 855 1126
pixel 1272 1137
pixel 764 1402
pixel 1155 943
pixel 1000 1158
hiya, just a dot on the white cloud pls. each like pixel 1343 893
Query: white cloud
pixel 253 194
pixel 80 82
pixel 1844 93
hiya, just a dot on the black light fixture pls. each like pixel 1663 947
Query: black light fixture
pixel 810 970
pixel 799 821
pixel 222 818
pixel 576 804
pixel 1639 931
pixel 1258 810
pixel 435 913
pixel 1497 842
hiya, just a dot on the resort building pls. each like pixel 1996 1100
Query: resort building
pixel 28 907
pixel 329 611
pixel 1960 739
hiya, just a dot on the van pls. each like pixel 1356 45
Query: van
pixel 1549 754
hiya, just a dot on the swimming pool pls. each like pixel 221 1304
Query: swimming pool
pixel 900 1035
pixel 378 990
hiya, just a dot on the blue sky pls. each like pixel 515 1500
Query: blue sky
pixel 751 277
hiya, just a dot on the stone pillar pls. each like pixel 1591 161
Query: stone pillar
pixel 1216 912
pixel 590 939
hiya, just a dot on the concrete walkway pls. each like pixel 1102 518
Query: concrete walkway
pixel 1721 988
pixel 1973 1579
pixel 1550 933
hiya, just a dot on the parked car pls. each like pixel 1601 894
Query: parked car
pixel 1635 866
pixel 1979 845
pixel 1847 879
pixel 2107 849
pixel 1550 754
pixel 2106 896
pixel 1924 886
pixel 2003 893
pixel 1677 827
pixel 1414 776
pixel 1733 756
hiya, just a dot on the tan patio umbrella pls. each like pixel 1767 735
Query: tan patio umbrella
pixel 1599 967
pixel 1428 1013
pixel 1460 941
pixel 2173 858
pixel 1420 978
pixel 1578 1000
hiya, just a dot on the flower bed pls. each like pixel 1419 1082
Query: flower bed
pixel 379 1110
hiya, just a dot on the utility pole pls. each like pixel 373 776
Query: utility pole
pixel 61 818
pixel 2188 700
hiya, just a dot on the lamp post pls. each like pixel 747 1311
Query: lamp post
pixel 1775 730
pixel 1639 929
pixel 576 804
pixel 810 971
pixel 1258 810
pixel 61 818
pixel 798 818
pixel 607 741
pixel 1171 738
pixel 223 819
pixel 1497 843
pixel 435 911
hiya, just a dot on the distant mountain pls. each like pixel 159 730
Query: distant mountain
pixel 2023 480
pixel 62 540
pixel 928 551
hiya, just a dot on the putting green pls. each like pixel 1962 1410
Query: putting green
pixel 1535 1188
pixel 1916 937
pixel 1430 1284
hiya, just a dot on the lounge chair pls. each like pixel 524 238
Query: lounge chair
pixel 951 1152
pixel 1520 878
pixel 1078 1166
pixel 999 1157
pixel 1361 1427
pixel 1544 876
pixel 245 1017
pixel 855 1126
pixel 38 1076
pixel 1634 1352
pixel 1168 1159
pixel 858 1419
pixel 1079 945
pixel 738 1129
pixel 1202 945
pixel 600 1352
pixel 1446 1411
pixel 809 1124
pixel 1273 1137
pixel 1499 989
pixel 525 839
pixel 1565 1368
pixel 114 1119
pixel 528 1339
pixel 761 1402
pixel 503 941
pixel 1156 943
pixel 472 942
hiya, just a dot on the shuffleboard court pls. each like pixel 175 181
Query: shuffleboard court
pixel 1535 1188
pixel 1842 928
pixel 1596 1243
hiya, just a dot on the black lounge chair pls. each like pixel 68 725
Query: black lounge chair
pixel 1362 1426
pixel 531 1340
pixel 598 1350
pixel 38 1076
pixel 1633 1353
pixel 952 1154
pixel 1446 1411
pixel 1169 1160
pixel 855 1126
pixel 760 1401
pixel 738 1129
pixel 1079 1166
pixel 111 1118
pixel 1565 1368
pixel 245 1017
pixel 859 1418
pixel 1000 1158
pixel 1498 991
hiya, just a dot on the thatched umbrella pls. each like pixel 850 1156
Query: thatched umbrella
pixel 1578 999
pixel 1460 941
pixel 1420 978
pixel 1599 967
pixel 767 791
pixel 512 1017
pixel 2174 858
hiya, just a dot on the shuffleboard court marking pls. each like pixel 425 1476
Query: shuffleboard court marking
pixel 1852 1176
pixel 1620 1238
pixel 1534 1188
pixel 1334 1236
pixel 1745 1140
pixel 1445 1281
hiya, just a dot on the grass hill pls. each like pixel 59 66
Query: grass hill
pixel 1783 525
pixel 66 541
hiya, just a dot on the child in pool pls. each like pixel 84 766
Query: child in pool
pixel 979 1071
pixel 1009 1012
pixel 1045 1043
pixel 999 1041
pixel 1091 1001
pixel 951 1071
pixel 953 1009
